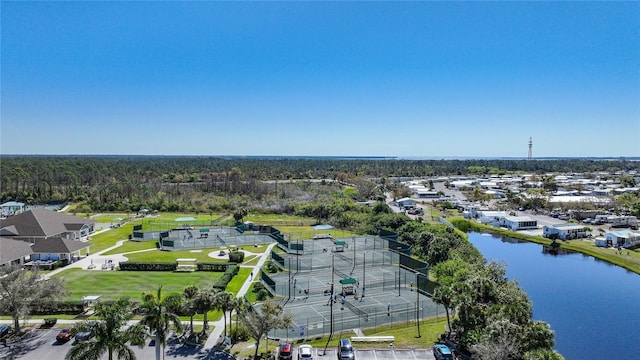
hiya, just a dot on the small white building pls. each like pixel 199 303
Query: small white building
pixel 516 223
pixel 425 193
pixel 622 238
pixel 491 216
pixel 406 203
pixel 566 231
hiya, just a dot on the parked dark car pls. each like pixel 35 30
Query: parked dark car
pixel 442 352
pixel 83 336
pixel 345 350
pixel 4 330
pixel 285 352
pixel 64 335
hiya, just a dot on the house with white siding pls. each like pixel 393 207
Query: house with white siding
pixel 622 238
pixel 516 223
pixel 565 231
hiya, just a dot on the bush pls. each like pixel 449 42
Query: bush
pixel 262 295
pixel 239 334
pixel 236 257
pixel 272 268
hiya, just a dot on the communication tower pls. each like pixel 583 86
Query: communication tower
pixel 530 149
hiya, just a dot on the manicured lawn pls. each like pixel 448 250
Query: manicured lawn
pixel 405 336
pixel 114 284
pixel 171 256
pixel 251 261
pixel 274 219
pixel 236 283
pixel 109 238
pixel 110 217
pixel 129 246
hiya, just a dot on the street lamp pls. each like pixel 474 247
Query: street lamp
pixel 330 320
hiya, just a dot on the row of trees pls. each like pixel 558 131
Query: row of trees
pixel 23 290
pixel 493 316
pixel 160 182
pixel 160 314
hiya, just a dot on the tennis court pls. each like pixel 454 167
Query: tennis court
pixel 355 266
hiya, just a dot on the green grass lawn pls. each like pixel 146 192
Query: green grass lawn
pixel 112 285
pixel 171 256
pixel 109 238
pixel 129 246
pixel 108 218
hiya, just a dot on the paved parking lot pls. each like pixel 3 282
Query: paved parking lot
pixel 42 344
pixel 374 354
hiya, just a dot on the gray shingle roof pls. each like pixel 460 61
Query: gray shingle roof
pixel 57 246
pixel 43 223
pixel 11 250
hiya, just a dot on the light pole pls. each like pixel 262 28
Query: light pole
pixel 289 258
pixel 331 308
pixel 418 302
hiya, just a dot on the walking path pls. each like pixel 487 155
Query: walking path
pixel 216 335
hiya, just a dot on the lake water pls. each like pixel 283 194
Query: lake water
pixel 593 307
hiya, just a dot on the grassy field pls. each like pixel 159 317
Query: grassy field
pixel 107 239
pixel 129 246
pixel 171 256
pixel 112 285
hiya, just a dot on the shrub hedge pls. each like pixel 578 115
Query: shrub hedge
pixel 221 283
pixel 165 266
pixel 147 266
pixel 58 307
pixel 215 267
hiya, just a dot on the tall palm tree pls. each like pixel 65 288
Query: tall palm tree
pixel 240 306
pixel 224 302
pixel 204 303
pixel 159 316
pixel 190 294
pixel 110 334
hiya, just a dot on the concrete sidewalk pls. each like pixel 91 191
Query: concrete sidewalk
pixel 216 335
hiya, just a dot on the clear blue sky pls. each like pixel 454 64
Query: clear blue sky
pixel 408 79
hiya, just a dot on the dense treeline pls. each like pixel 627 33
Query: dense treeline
pixel 183 183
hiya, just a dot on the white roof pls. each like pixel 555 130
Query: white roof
pixel 518 218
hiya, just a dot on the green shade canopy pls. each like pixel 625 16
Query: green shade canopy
pixel 340 242
pixel 348 281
